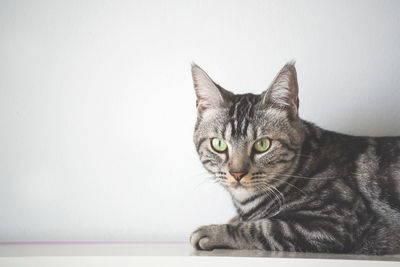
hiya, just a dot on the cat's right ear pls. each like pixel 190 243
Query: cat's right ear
pixel 209 94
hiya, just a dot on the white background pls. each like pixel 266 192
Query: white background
pixel 97 107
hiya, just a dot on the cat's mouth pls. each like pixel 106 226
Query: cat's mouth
pixel 238 185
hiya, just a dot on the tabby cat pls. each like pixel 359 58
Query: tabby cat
pixel 295 187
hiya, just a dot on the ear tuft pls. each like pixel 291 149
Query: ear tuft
pixel 208 93
pixel 283 92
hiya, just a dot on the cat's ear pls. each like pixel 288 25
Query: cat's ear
pixel 284 90
pixel 208 93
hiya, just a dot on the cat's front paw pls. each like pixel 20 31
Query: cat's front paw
pixel 210 237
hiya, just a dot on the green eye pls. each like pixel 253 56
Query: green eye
pixel 218 144
pixel 262 145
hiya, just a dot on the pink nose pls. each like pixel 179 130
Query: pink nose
pixel 238 175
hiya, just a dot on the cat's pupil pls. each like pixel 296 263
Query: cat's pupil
pixel 262 143
pixel 219 143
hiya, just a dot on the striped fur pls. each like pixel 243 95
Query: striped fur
pixel 312 191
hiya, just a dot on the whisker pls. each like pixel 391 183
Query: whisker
pixel 274 192
pixel 257 177
pixel 279 198
pixel 292 185
pixel 206 179
pixel 303 177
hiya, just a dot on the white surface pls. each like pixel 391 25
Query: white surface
pixel 97 107
pixel 79 250
pixel 184 261
pixel 170 255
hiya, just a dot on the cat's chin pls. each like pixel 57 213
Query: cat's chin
pixel 241 192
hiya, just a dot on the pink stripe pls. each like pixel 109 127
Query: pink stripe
pixel 92 242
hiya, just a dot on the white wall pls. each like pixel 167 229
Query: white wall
pixel 97 107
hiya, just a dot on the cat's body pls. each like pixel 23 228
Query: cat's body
pixel 304 188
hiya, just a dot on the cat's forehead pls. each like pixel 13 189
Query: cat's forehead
pixel 241 113
pixel 243 119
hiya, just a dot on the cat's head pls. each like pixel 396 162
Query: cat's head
pixel 248 141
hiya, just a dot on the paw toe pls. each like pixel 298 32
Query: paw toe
pixel 205 243
pixel 195 239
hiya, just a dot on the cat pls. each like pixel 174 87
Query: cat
pixel 295 186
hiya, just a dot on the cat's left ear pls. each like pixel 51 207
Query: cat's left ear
pixel 283 93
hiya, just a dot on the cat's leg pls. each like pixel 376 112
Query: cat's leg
pixel 269 234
